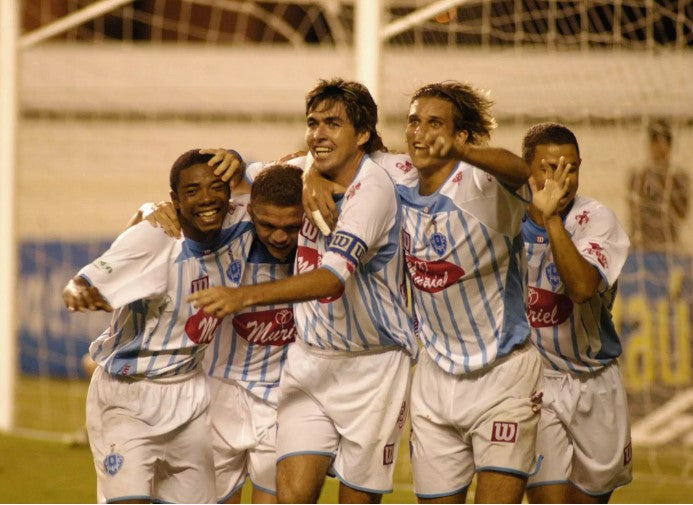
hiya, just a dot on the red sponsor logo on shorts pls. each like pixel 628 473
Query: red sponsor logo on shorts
pixel 266 327
pixel 388 454
pixel 503 431
pixel 627 453
pixel 546 308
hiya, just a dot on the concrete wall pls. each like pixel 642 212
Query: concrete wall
pixel 82 178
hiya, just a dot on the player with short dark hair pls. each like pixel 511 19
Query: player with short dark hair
pixel 344 389
pixel 246 359
pixel 576 249
pixel 147 406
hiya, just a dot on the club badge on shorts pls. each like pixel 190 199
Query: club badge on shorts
pixel 113 462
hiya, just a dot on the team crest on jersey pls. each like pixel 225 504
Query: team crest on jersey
pixel 233 272
pixel 546 308
pixel 439 243
pixel 432 276
pixel 504 431
pixel 200 327
pixel 199 284
pixel 583 218
pixel 597 251
pixel 552 275
pixel 113 462
pixel 388 454
pixel 266 327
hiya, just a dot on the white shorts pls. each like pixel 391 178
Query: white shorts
pixel 348 406
pixel 150 438
pixel 244 432
pixel 479 421
pixel 584 432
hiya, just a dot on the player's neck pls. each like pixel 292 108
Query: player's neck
pixel 347 172
pixel 431 179
pixel 201 237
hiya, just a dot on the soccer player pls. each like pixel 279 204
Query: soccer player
pixel 343 391
pixel 576 248
pixel 463 205
pixel 147 406
pixel 246 359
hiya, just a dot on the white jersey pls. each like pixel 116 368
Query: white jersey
pixel 364 253
pixel 146 276
pixel 570 336
pixel 252 346
pixel 465 258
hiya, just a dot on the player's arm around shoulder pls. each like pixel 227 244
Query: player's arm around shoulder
pixel 371 207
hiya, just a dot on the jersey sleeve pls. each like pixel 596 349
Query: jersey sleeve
pixel 603 242
pixel 134 267
pixel 398 166
pixel 369 212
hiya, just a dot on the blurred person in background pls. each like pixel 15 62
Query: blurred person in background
pixel 658 194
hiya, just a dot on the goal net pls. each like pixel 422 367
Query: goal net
pixel 113 90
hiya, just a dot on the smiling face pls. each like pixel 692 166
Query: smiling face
pixel 552 153
pixel 201 200
pixel 332 139
pixel 277 226
pixel 429 118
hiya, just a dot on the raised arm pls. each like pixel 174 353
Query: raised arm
pixel 505 166
pixel 580 277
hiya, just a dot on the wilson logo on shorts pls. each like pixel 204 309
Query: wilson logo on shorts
pixel 389 454
pixel 627 453
pixel 504 432
pixel 113 462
